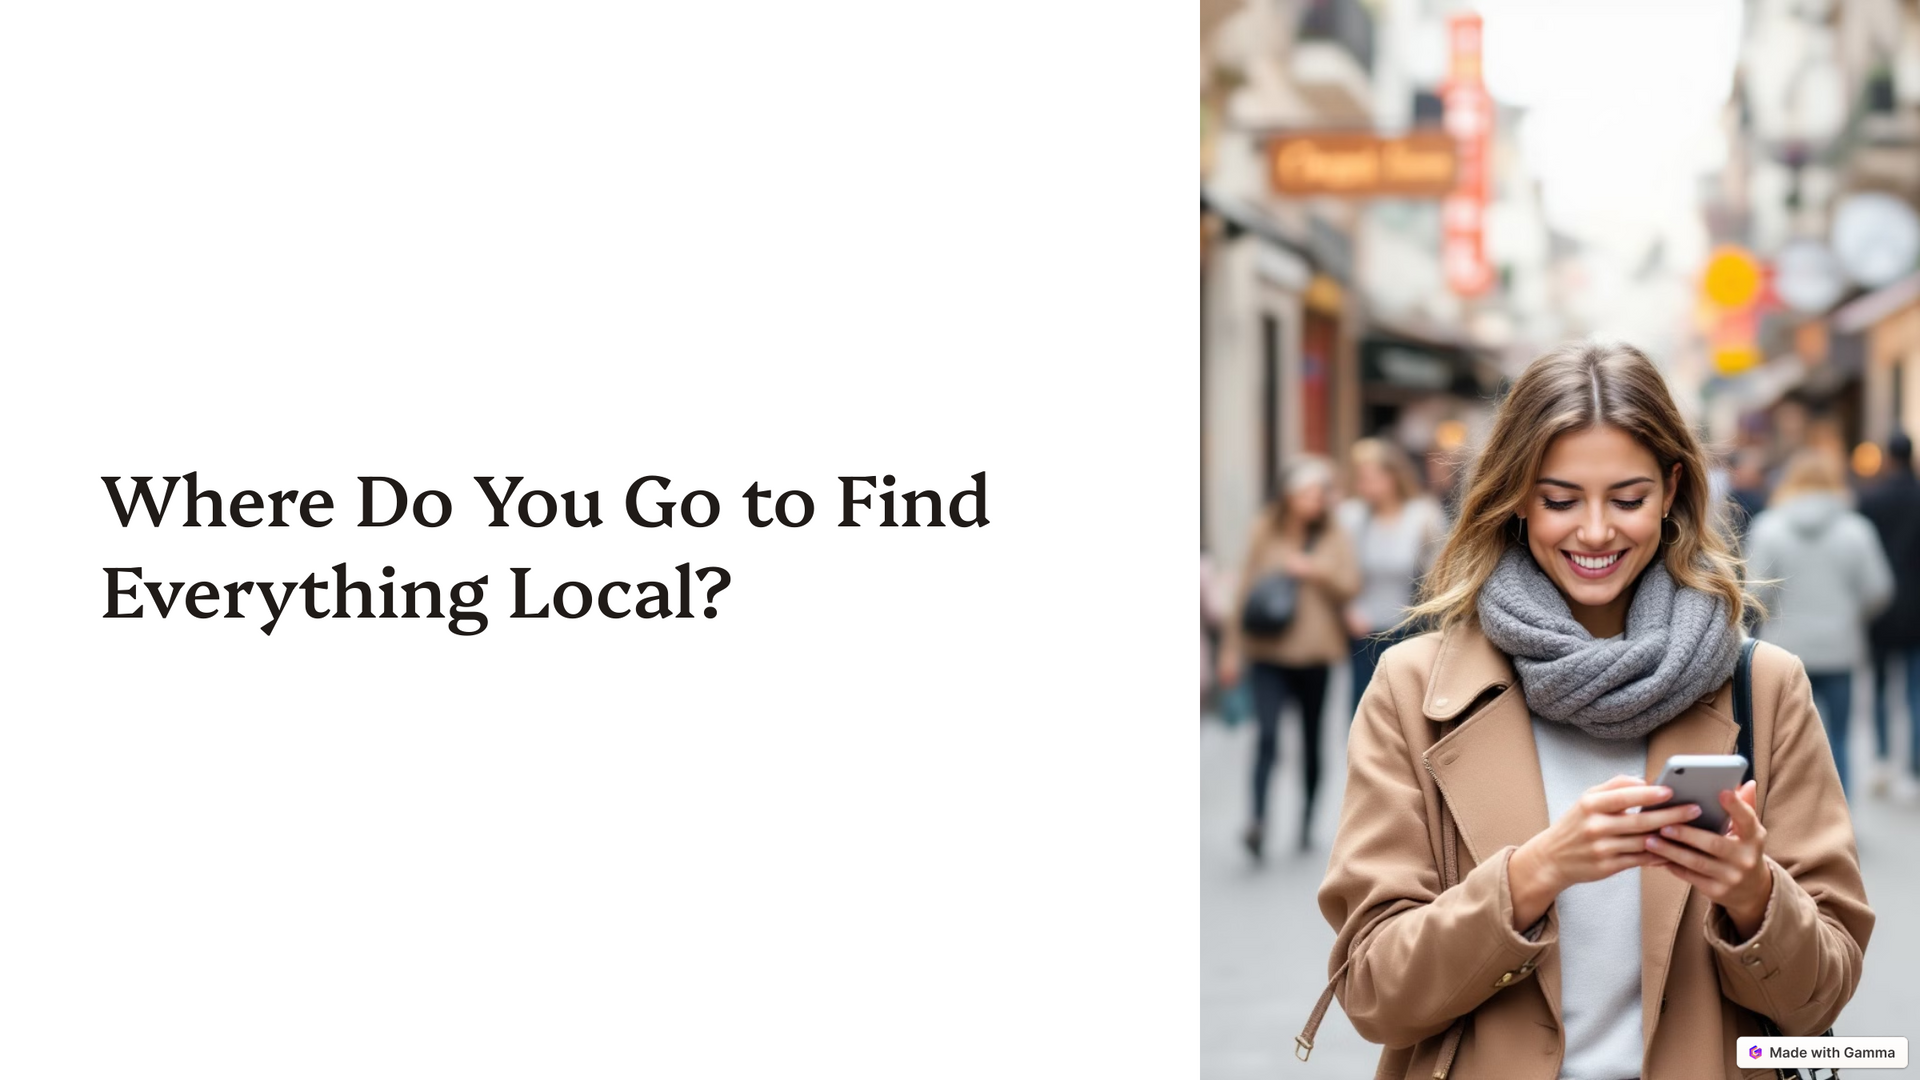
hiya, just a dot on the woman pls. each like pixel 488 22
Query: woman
pixel 1822 575
pixel 1394 529
pixel 1589 623
pixel 1297 537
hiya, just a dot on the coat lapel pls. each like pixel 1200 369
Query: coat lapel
pixel 1487 767
pixel 1705 728
pixel 1488 772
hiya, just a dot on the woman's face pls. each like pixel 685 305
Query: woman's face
pixel 1306 504
pixel 1375 484
pixel 1593 521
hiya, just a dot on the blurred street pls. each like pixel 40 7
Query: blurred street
pixel 1404 204
pixel 1264 944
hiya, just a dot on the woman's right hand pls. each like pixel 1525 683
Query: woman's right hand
pixel 1596 838
pixel 1229 671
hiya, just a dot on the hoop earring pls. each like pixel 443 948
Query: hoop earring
pixel 1664 541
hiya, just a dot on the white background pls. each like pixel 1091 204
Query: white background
pixel 918 803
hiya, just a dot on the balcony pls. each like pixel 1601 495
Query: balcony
pixel 1333 58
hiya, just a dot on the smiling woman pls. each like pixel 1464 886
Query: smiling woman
pixel 1595 522
pixel 1591 462
pixel 1497 814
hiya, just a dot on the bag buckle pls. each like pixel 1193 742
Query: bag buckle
pixel 1302 1047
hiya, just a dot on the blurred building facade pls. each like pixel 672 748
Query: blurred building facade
pixel 1820 182
pixel 1325 318
pixel 1280 318
pixel 1328 318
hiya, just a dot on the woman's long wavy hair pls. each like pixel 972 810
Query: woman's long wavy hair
pixel 1574 387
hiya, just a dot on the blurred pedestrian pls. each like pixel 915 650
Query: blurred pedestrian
pixel 1498 815
pixel 1299 573
pixel 1719 481
pixel 1749 481
pixel 1395 528
pixel 1818 568
pixel 1894 508
pixel 1444 474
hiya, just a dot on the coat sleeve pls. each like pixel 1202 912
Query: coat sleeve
pixel 1802 965
pixel 1443 953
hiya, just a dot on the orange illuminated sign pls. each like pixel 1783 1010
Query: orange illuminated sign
pixel 1463 48
pixel 1468 116
pixel 1419 165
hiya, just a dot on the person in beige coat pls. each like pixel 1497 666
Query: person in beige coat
pixel 1588 618
pixel 1296 536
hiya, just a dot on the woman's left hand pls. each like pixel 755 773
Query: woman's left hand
pixel 1731 869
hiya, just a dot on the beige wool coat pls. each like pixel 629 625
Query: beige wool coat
pixel 1456 953
pixel 1317 634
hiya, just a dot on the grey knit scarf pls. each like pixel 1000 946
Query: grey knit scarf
pixel 1678 647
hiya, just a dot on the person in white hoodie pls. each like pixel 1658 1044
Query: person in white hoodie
pixel 1819 569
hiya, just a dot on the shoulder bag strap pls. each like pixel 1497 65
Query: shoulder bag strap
pixel 1743 715
pixel 1743 705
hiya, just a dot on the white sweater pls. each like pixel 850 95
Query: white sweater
pixel 1599 920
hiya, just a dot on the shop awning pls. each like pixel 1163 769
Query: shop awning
pixel 1407 367
pixel 1858 315
pixel 1247 218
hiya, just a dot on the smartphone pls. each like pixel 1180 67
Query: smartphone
pixel 1699 779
